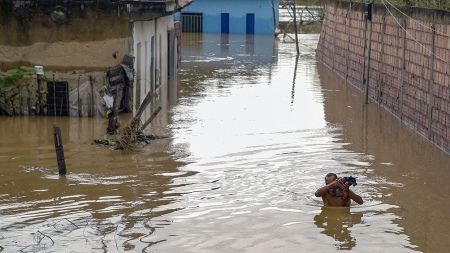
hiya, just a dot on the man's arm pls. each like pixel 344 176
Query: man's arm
pixel 355 197
pixel 323 190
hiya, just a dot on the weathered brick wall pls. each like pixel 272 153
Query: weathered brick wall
pixel 409 65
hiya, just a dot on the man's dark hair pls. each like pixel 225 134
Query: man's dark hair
pixel 330 175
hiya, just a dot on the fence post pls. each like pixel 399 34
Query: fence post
pixel 347 31
pixel 403 66
pixel 369 49
pixel 430 100
pixel 380 71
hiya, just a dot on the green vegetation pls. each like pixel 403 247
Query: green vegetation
pixel 11 83
pixel 10 78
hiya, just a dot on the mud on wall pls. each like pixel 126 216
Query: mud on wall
pixel 409 73
pixel 72 40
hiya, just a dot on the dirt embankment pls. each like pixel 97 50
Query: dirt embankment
pixel 64 38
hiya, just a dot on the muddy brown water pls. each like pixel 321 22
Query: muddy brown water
pixel 251 136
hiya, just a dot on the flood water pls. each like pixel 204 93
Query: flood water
pixel 251 137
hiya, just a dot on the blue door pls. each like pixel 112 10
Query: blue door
pixel 250 23
pixel 225 23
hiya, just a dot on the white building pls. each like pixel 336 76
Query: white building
pixel 155 44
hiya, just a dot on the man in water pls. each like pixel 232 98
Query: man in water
pixel 336 193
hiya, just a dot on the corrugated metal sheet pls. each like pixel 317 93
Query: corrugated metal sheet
pixel 144 1
pixel 181 3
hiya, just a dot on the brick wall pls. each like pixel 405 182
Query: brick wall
pixel 409 65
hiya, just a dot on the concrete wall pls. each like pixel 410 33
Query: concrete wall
pixel 409 73
pixel 150 77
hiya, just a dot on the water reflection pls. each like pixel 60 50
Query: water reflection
pixel 106 193
pixel 336 222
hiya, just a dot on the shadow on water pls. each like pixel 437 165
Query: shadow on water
pixel 337 222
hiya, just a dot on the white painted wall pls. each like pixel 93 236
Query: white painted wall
pixel 143 31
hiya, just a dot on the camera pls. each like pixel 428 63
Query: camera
pixel 349 181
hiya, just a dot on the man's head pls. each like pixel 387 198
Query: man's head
pixel 330 177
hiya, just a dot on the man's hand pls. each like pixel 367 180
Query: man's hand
pixel 347 192
pixel 339 183
pixel 336 183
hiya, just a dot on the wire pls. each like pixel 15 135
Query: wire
pixel 444 34
pixel 406 31
pixel 351 7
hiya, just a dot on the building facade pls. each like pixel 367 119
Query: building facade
pixel 155 41
pixel 231 16
pixel 79 44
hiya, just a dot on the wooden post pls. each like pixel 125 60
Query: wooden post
pixel 113 117
pixel 40 103
pixel 19 87
pixel 142 107
pixel 92 105
pixel 151 118
pixel 59 150
pixel 29 105
pixel 79 100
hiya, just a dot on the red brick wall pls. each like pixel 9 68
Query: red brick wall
pixel 409 61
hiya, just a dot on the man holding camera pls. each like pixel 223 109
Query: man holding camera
pixel 336 192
